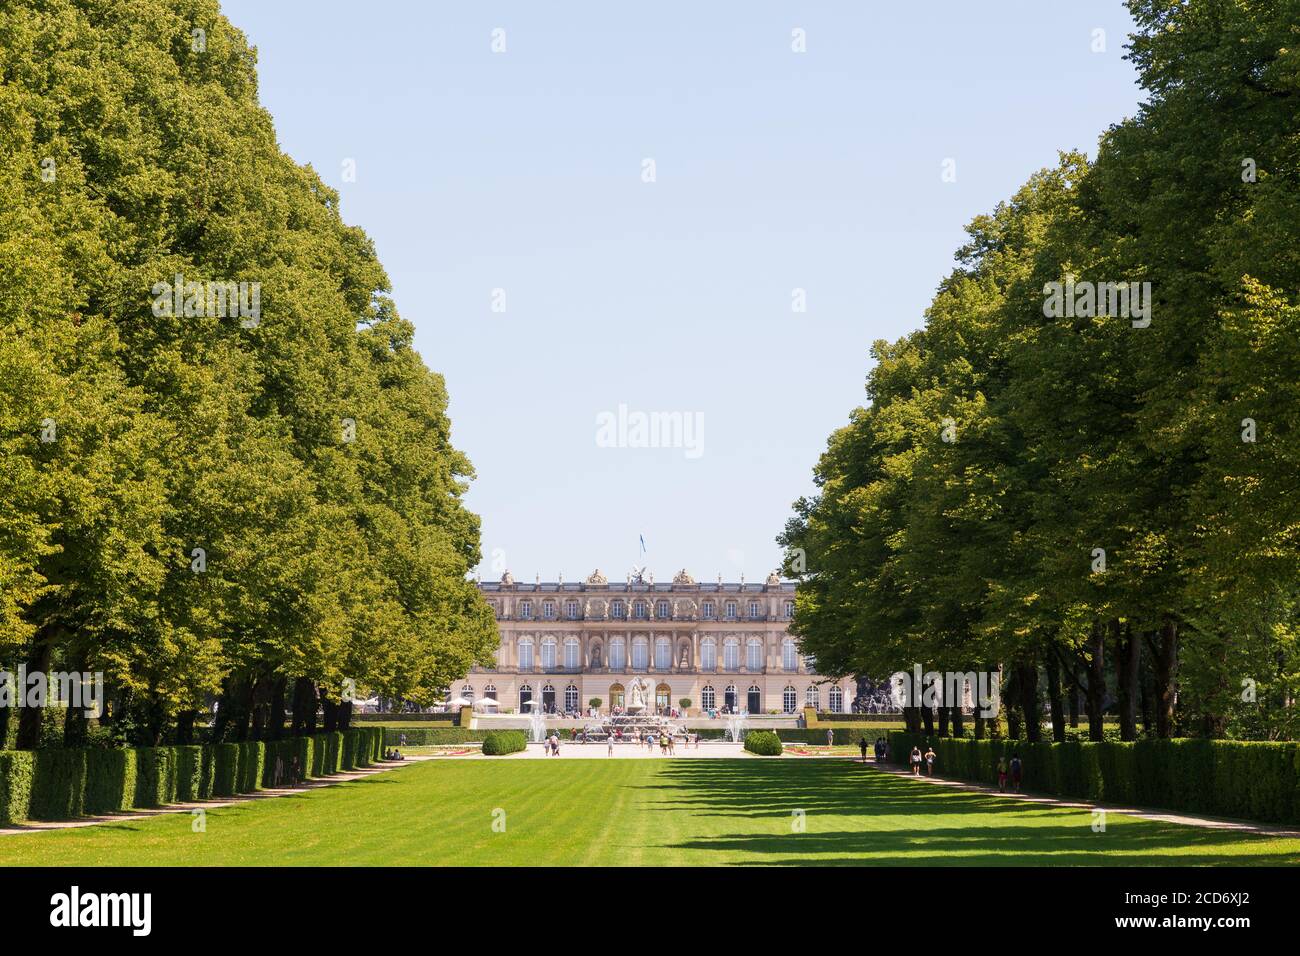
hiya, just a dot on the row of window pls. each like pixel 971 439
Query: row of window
pixel 662 653
pixel 641 610
pixel 708 697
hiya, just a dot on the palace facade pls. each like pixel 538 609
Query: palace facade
pixel 717 645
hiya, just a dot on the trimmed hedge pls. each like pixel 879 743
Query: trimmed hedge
pixel 110 781
pixel 430 736
pixel 499 742
pixel 1254 780
pixel 17 770
pixel 765 743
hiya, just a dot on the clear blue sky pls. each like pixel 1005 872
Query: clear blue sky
pixel 775 170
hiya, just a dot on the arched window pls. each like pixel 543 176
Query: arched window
pixel 548 609
pixel 753 610
pixel 468 692
pixel 617 609
pixel 789 659
pixel 709 654
pixel 788 700
pixel 754 700
pixel 490 691
pixel 662 610
pixel 837 699
pixel 729 610
pixel 640 653
pixel 525 610
pixel 708 699
pixel 617 654
pixel 812 698
pixel 571 653
pixel 615 695
pixel 548 699
pixel 707 611
pixel 639 609
pixel 663 653
pixel 571 698
pixel 731 653
pixel 571 609
pixel 754 654
pixel 525 695
pixel 548 653
pixel 525 653
pixel 729 700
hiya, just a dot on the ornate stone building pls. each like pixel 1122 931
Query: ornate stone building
pixel 718 645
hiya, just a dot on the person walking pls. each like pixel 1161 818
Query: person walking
pixel 1016 769
pixel 1002 774
pixel 880 750
pixel 862 746
pixel 929 761
pixel 830 737
pixel 916 761
pixel 609 749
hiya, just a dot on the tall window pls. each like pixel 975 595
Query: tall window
pixel 571 653
pixel 571 697
pixel 731 654
pixel 789 608
pixel 789 659
pixel 709 654
pixel 571 609
pixel 490 691
pixel 617 653
pixel 662 610
pixel 548 610
pixel 663 654
pixel 526 610
pixel 837 699
pixel 708 699
pixel 754 700
pixel 548 653
pixel 729 610
pixel 813 697
pixel 729 698
pixel 639 609
pixel 753 609
pixel 468 693
pixel 788 700
pixel 754 654
pixel 525 695
pixel 707 611
pixel 618 609
pixel 525 653
pixel 640 653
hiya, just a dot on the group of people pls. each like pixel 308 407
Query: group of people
pixel 666 742
pixel 393 754
pixel 881 748
pixel 929 757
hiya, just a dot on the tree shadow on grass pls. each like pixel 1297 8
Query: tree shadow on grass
pixel 944 826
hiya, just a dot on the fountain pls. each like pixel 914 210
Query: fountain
pixel 536 722
pixel 737 724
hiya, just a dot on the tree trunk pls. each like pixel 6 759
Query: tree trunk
pixel 958 721
pixel 927 721
pixel 1053 664
pixel 345 715
pixel 979 725
pixel 185 727
pixel 1096 681
pixel 1166 674
pixel 274 729
pixel 330 711
pixel 944 714
pixel 1072 695
pixel 1027 681
pixel 30 718
pixel 1127 660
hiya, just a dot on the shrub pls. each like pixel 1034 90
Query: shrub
pixel 765 743
pixel 225 769
pixel 594 702
pixel 500 742
pixel 684 703
pixel 58 785
pixel 110 781
pixel 16 772
pixel 431 736
pixel 189 767
pixel 155 777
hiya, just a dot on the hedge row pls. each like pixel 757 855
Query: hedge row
pixel 63 784
pixel 500 742
pixel 1256 780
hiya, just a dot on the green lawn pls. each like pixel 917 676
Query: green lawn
pixel 640 812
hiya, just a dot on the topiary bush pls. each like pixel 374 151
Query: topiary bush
pixel 765 743
pixel 497 743
pixel 110 781
pixel 17 770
